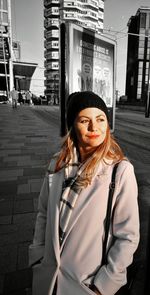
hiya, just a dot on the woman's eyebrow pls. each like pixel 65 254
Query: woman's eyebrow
pixel 84 116
pixel 101 115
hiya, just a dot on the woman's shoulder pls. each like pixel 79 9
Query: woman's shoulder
pixel 125 171
pixel 123 167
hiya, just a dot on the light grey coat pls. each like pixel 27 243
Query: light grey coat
pixel 78 262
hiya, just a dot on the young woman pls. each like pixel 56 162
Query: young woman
pixel 66 252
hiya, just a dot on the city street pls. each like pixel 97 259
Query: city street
pixel 29 135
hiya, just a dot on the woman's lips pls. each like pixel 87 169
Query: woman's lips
pixel 93 136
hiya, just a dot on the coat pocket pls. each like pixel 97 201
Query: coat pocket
pixel 36 254
pixel 38 262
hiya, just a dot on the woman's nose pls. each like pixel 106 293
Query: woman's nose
pixel 93 126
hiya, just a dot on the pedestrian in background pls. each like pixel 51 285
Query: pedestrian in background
pixel 20 99
pixel 28 97
pixel 66 254
pixel 14 96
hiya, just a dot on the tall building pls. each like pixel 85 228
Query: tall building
pixel 13 72
pixel 86 13
pixel 138 56
pixel 4 46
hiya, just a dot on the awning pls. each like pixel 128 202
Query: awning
pixel 22 69
pixel 23 73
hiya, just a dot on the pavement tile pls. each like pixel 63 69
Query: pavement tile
pixel 2 278
pixel 35 204
pixel 11 173
pixel 23 234
pixel 6 219
pixel 32 171
pixel 6 207
pixel 22 259
pixel 16 158
pixel 17 281
pixel 8 228
pixel 30 196
pixel 35 185
pixel 8 258
pixel 23 206
pixel 23 188
pixel 8 187
pixel 25 218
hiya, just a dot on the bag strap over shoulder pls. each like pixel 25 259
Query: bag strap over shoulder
pixel 108 213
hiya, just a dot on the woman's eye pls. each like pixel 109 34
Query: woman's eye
pixel 84 121
pixel 100 120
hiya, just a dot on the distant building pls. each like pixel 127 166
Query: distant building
pixel 87 13
pixel 4 46
pixel 138 56
pixel 22 71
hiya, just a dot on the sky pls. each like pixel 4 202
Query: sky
pixel 28 29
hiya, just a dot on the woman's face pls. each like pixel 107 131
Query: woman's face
pixel 90 128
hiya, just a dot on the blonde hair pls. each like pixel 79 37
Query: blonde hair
pixel 108 150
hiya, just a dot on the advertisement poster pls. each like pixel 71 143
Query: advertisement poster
pixel 91 64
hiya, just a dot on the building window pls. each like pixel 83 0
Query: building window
pixel 140 78
pixel 138 96
pixel 139 84
pixel 140 71
pixel 141 64
pixel 3 4
pixel 146 79
pixel 141 43
pixel 141 53
pixel 5 17
pixel 143 20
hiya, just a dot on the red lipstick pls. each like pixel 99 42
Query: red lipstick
pixel 93 136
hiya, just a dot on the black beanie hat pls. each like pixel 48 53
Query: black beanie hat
pixel 78 101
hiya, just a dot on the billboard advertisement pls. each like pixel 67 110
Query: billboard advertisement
pixel 90 65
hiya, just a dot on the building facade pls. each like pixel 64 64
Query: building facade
pixel 10 53
pixel 4 46
pixel 86 13
pixel 138 56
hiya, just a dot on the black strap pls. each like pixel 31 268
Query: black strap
pixel 108 213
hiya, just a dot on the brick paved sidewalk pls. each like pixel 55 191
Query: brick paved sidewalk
pixel 26 144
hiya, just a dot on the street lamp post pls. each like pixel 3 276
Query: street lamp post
pixel 11 81
pixel 147 106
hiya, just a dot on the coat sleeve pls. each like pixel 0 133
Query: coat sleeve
pixel 125 229
pixel 36 249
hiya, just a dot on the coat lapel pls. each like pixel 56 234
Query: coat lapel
pixel 56 181
pixel 84 199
